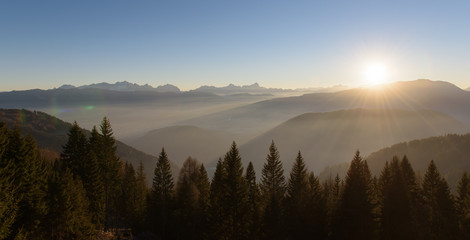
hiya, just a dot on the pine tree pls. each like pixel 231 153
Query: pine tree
pixel 418 210
pixel 22 155
pixel 463 205
pixel 161 195
pixel 298 180
pixel 396 215
pixel 333 190
pixel 442 219
pixel 94 187
pixel 272 187
pixel 128 197
pixel 296 200
pixel 75 151
pixel 34 185
pixel 9 205
pixel 140 199
pixel 356 220
pixel 68 217
pixel 104 148
pixel 203 187
pixel 187 199
pixel 217 215
pixel 235 202
pixel 253 201
pixel 315 210
pixel 83 163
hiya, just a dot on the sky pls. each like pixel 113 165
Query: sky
pixel 288 44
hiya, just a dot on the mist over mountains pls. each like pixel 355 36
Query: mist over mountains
pixel 332 137
pixel 326 126
pixel 414 95
pixel 450 152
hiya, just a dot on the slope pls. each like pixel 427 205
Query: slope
pixel 413 95
pixel 332 137
pixel 51 134
pixel 451 153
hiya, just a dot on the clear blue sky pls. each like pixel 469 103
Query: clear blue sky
pixel 44 44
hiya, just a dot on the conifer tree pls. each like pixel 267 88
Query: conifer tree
pixel 203 187
pixel 161 195
pixel 442 219
pixel 463 205
pixel 333 190
pixel 235 202
pixel 187 199
pixel 104 148
pixel 140 198
pixel 298 180
pixel 75 151
pixel 356 220
pixel 94 187
pixel 418 210
pixel 396 216
pixel 68 217
pixel 272 187
pixel 296 200
pixel 128 202
pixel 83 163
pixel 8 206
pixel 29 181
pixel 315 210
pixel 217 215
pixel 253 201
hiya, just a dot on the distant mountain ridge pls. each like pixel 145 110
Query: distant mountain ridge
pixel 329 138
pixel 411 95
pixel 124 86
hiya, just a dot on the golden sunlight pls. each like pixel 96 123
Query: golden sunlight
pixel 375 74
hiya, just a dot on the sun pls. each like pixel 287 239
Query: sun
pixel 375 74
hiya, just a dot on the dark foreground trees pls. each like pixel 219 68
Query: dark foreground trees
pixel 88 190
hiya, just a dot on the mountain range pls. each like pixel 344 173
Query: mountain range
pixel 124 86
pixel 258 117
pixel 230 89
pixel 327 127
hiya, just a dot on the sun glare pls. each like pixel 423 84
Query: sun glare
pixel 375 74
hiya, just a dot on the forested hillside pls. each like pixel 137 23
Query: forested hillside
pixel 89 191
pixel 451 154
pixel 51 135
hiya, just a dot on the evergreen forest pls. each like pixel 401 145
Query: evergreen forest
pixel 88 192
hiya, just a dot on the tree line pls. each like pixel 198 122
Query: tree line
pixel 88 189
